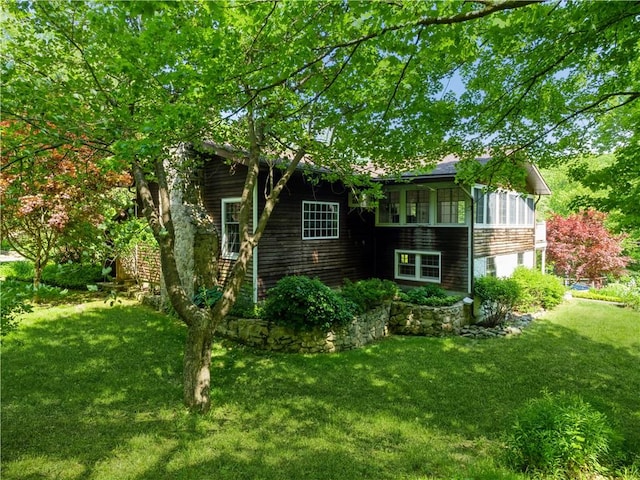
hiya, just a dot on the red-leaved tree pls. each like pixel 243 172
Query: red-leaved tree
pixel 46 195
pixel 581 246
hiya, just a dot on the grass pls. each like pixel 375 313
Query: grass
pixel 94 392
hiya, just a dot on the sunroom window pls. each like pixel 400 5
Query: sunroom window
pixel 451 205
pixel 389 208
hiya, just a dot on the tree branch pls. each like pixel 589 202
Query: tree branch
pixel 593 105
pixel 402 74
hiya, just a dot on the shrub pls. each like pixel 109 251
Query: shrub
pixel 72 275
pixel 368 294
pixel 559 434
pixel 498 296
pixel 537 290
pixel 14 302
pixel 303 303
pixel 22 270
pixel 429 295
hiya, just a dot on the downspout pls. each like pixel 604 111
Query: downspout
pixel 254 273
pixel 470 277
pixel 543 254
pixel 470 240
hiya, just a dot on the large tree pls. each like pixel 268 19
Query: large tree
pixel 145 82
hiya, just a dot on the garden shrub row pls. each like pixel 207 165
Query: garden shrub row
pixel 429 295
pixel 303 303
pixel 527 290
pixel 67 275
pixel 537 290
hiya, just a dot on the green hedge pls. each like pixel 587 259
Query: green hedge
pixel 537 290
pixel 67 275
pixel 72 275
pixel 304 303
pixel 429 295
pixel 368 294
pixel 21 270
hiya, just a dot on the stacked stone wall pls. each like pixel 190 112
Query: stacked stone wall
pixel 410 319
pixel 267 335
pixel 393 318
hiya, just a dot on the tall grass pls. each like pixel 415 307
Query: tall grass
pixel 94 392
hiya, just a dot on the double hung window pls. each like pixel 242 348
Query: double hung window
pixel 230 227
pixel 419 266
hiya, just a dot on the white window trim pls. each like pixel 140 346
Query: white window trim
pixel 529 213
pixel 433 207
pixel 329 237
pixel 417 277
pixel 225 253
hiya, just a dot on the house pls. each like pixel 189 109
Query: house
pixel 427 229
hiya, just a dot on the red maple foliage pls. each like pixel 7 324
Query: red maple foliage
pixel 581 246
pixel 45 195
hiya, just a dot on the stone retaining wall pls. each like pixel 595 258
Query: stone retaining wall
pixel 397 317
pixel 409 319
pixel 258 333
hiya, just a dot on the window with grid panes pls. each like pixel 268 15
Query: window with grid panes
pixel 389 207
pixel 320 220
pixel 419 266
pixel 417 206
pixel 451 205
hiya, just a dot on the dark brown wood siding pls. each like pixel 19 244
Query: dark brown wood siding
pixel 451 242
pixel 488 242
pixel 222 180
pixel 281 250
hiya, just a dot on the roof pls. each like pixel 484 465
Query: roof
pixel 445 169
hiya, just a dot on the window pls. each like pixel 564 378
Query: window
pixel 490 268
pixel 513 211
pixel 522 206
pixel 389 208
pixel 479 200
pixel 502 198
pixel 529 211
pixel 492 208
pixel 451 205
pixel 520 258
pixel 418 206
pixel 419 266
pixel 406 265
pixel 422 205
pixel 503 208
pixel 230 227
pixel 320 220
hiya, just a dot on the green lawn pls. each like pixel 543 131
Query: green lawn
pixel 94 392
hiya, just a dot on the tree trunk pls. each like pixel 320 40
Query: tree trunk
pixel 197 363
